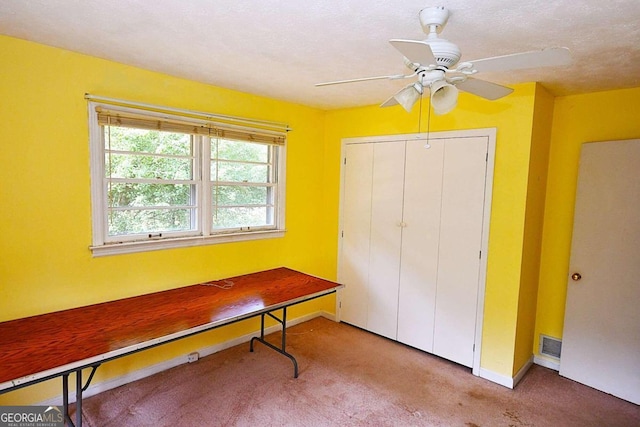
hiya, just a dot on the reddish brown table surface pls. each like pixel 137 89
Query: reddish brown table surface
pixel 39 347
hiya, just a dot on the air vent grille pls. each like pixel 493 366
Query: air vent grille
pixel 550 346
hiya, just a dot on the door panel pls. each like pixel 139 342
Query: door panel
pixel 384 258
pixel 354 255
pixel 460 244
pixel 601 338
pixel 419 261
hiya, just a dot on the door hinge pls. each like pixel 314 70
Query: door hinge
pixel 480 256
pixel 340 304
pixel 342 233
pixel 474 348
pixel 345 160
pixel 486 158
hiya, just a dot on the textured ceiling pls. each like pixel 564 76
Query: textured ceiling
pixel 281 48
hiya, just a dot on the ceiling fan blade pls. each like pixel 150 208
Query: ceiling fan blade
pixel 364 79
pixel 553 57
pixel 415 51
pixel 484 89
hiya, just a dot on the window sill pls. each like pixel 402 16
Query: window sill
pixel 183 242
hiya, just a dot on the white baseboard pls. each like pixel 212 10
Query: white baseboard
pixel 522 371
pixel 547 363
pixel 503 380
pixel 180 360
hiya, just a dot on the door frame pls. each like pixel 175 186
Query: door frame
pixel 490 134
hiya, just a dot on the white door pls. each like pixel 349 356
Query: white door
pixel 354 253
pixel 461 225
pixel 601 338
pixel 420 243
pixel 386 231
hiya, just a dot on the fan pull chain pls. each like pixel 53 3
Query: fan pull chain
pixel 420 115
pixel 427 145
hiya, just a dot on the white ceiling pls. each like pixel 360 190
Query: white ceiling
pixel 281 48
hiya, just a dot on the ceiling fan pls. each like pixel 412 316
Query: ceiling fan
pixel 432 62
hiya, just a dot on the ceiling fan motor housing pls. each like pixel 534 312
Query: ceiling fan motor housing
pixel 447 54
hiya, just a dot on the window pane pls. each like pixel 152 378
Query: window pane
pixel 234 195
pixel 147 167
pixel 149 221
pixel 242 217
pixel 239 150
pixel 147 141
pixel 239 172
pixel 132 194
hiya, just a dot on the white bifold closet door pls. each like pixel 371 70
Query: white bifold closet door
pixel 412 218
pixel 356 228
pixel 386 237
pixel 441 242
pixel 461 219
pixel 372 211
pixel 420 243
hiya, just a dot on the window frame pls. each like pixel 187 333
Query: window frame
pixel 204 233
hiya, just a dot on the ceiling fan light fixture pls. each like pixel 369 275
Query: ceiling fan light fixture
pixel 444 97
pixel 409 96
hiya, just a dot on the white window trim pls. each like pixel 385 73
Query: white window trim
pixel 181 242
pixel 100 245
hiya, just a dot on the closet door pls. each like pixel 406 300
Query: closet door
pixel 420 243
pixel 459 250
pixel 386 231
pixel 356 225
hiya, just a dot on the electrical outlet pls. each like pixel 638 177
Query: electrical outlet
pixel 192 357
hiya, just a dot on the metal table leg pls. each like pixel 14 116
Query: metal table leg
pixel 79 390
pixel 280 349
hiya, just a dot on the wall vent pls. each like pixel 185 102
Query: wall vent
pixel 550 346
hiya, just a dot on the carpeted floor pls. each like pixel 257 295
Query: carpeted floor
pixel 348 377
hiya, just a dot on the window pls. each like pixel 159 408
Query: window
pixel 243 185
pixel 163 180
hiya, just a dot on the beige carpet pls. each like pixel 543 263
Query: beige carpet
pixel 348 377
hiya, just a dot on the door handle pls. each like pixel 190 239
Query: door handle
pixel 576 276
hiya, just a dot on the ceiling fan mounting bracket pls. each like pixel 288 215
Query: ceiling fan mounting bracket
pixel 433 19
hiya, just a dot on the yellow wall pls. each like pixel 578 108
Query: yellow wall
pixel 536 189
pixel 601 116
pixel 45 219
pixel 513 117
